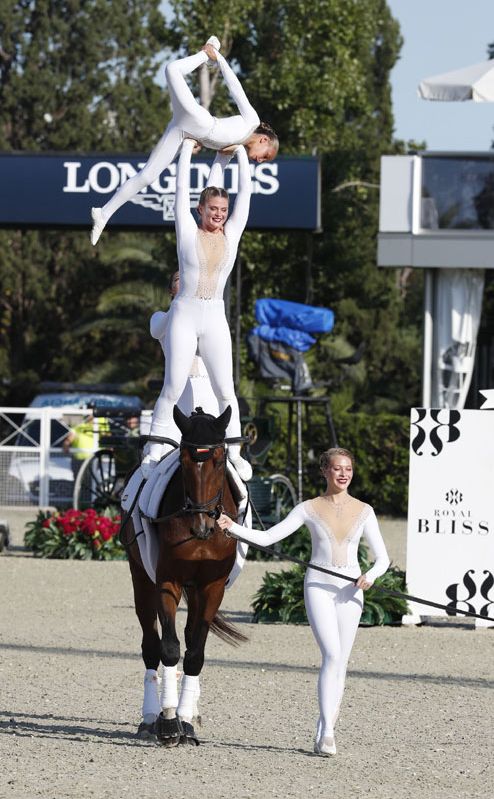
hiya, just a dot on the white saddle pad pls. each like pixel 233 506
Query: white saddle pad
pixel 149 503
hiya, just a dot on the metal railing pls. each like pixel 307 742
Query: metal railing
pixel 35 469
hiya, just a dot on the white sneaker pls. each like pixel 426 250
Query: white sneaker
pixel 98 225
pixel 147 466
pixel 325 747
pixel 214 42
pixel 242 466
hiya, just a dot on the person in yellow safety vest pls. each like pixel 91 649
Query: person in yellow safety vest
pixel 82 440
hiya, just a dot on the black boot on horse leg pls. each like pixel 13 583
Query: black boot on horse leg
pixel 146 611
pixel 168 728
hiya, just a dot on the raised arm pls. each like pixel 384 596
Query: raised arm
pixel 295 519
pixel 217 172
pixel 372 535
pixel 184 220
pixel 240 213
pixel 237 93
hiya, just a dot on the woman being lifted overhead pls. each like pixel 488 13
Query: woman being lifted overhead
pixel 336 522
pixel 190 120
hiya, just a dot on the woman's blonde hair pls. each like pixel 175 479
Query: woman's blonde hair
pixel 212 191
pixel 332 452
pixel 263 129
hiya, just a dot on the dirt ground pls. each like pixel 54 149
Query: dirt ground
pixel 417 719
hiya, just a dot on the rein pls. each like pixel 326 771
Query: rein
pixel 388 591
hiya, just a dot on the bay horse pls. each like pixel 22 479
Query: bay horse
pixel 194 561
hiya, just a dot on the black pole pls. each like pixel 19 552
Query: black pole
pixel 238 318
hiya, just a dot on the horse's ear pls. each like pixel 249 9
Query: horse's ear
pixel 181 420
pixel 223 421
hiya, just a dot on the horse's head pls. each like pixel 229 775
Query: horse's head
pixel 203 461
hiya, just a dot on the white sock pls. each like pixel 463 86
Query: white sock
pixel 151 702
pixel 188 697
pixel 169 690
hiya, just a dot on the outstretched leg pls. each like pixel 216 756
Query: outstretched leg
pixel 161 157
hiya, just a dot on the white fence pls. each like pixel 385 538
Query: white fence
pixel 35 470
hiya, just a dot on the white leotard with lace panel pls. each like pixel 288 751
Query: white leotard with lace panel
pixel 206 259
pixel 333 605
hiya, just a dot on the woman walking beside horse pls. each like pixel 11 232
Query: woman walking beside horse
pixel 336 521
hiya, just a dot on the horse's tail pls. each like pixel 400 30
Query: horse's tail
pixel 222 628
pixel 226 631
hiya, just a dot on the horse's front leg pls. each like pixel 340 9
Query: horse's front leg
pixel 203 606
pixel 168 729
pixel 147 613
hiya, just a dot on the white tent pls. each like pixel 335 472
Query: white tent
pixel 470 83
pixel 458 308
pixel 459 292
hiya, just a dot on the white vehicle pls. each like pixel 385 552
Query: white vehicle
pixel 38 452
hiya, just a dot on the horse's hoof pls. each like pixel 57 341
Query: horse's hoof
pixel 168 731
pixel 146 732
pixel 188 736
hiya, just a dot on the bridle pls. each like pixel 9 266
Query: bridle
pixel 212 507
pixel 200 453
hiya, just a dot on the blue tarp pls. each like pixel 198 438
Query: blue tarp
pixel 294 338
pixel 294 315
pixel 291 322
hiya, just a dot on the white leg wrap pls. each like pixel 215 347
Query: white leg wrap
pixel 189 694
pixel 151 703
pixel 169 691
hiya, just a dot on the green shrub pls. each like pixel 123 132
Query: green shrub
pixel 281 597
pixel 380 444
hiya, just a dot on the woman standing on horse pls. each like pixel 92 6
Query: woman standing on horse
pixel 197 321
pixel 192 120
pixel 336 521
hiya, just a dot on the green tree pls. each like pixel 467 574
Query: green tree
pixel 74 75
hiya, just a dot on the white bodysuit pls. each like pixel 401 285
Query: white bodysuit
pixel 333 605
pixel 189 120
pixel 198 392
pixel 197 320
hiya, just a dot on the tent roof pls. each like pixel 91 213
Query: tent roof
pixel 475 82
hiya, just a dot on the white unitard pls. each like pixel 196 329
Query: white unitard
pixel 198 392
pixel 197 318
pixel 333 605
pixel 189 120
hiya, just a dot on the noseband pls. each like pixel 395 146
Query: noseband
pixel 199 453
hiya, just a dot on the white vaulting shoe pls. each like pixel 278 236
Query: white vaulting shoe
pixel 242 466
pixel 98 225
pixel 215 42
pixel 148 465
pixel 325 747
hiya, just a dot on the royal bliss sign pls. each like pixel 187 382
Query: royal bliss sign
pixel 450 538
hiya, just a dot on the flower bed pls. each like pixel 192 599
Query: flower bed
pixel 77 534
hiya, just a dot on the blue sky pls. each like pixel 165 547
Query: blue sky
pixel 441 35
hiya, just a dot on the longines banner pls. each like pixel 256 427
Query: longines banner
pixel 450 541
pixel 59 189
